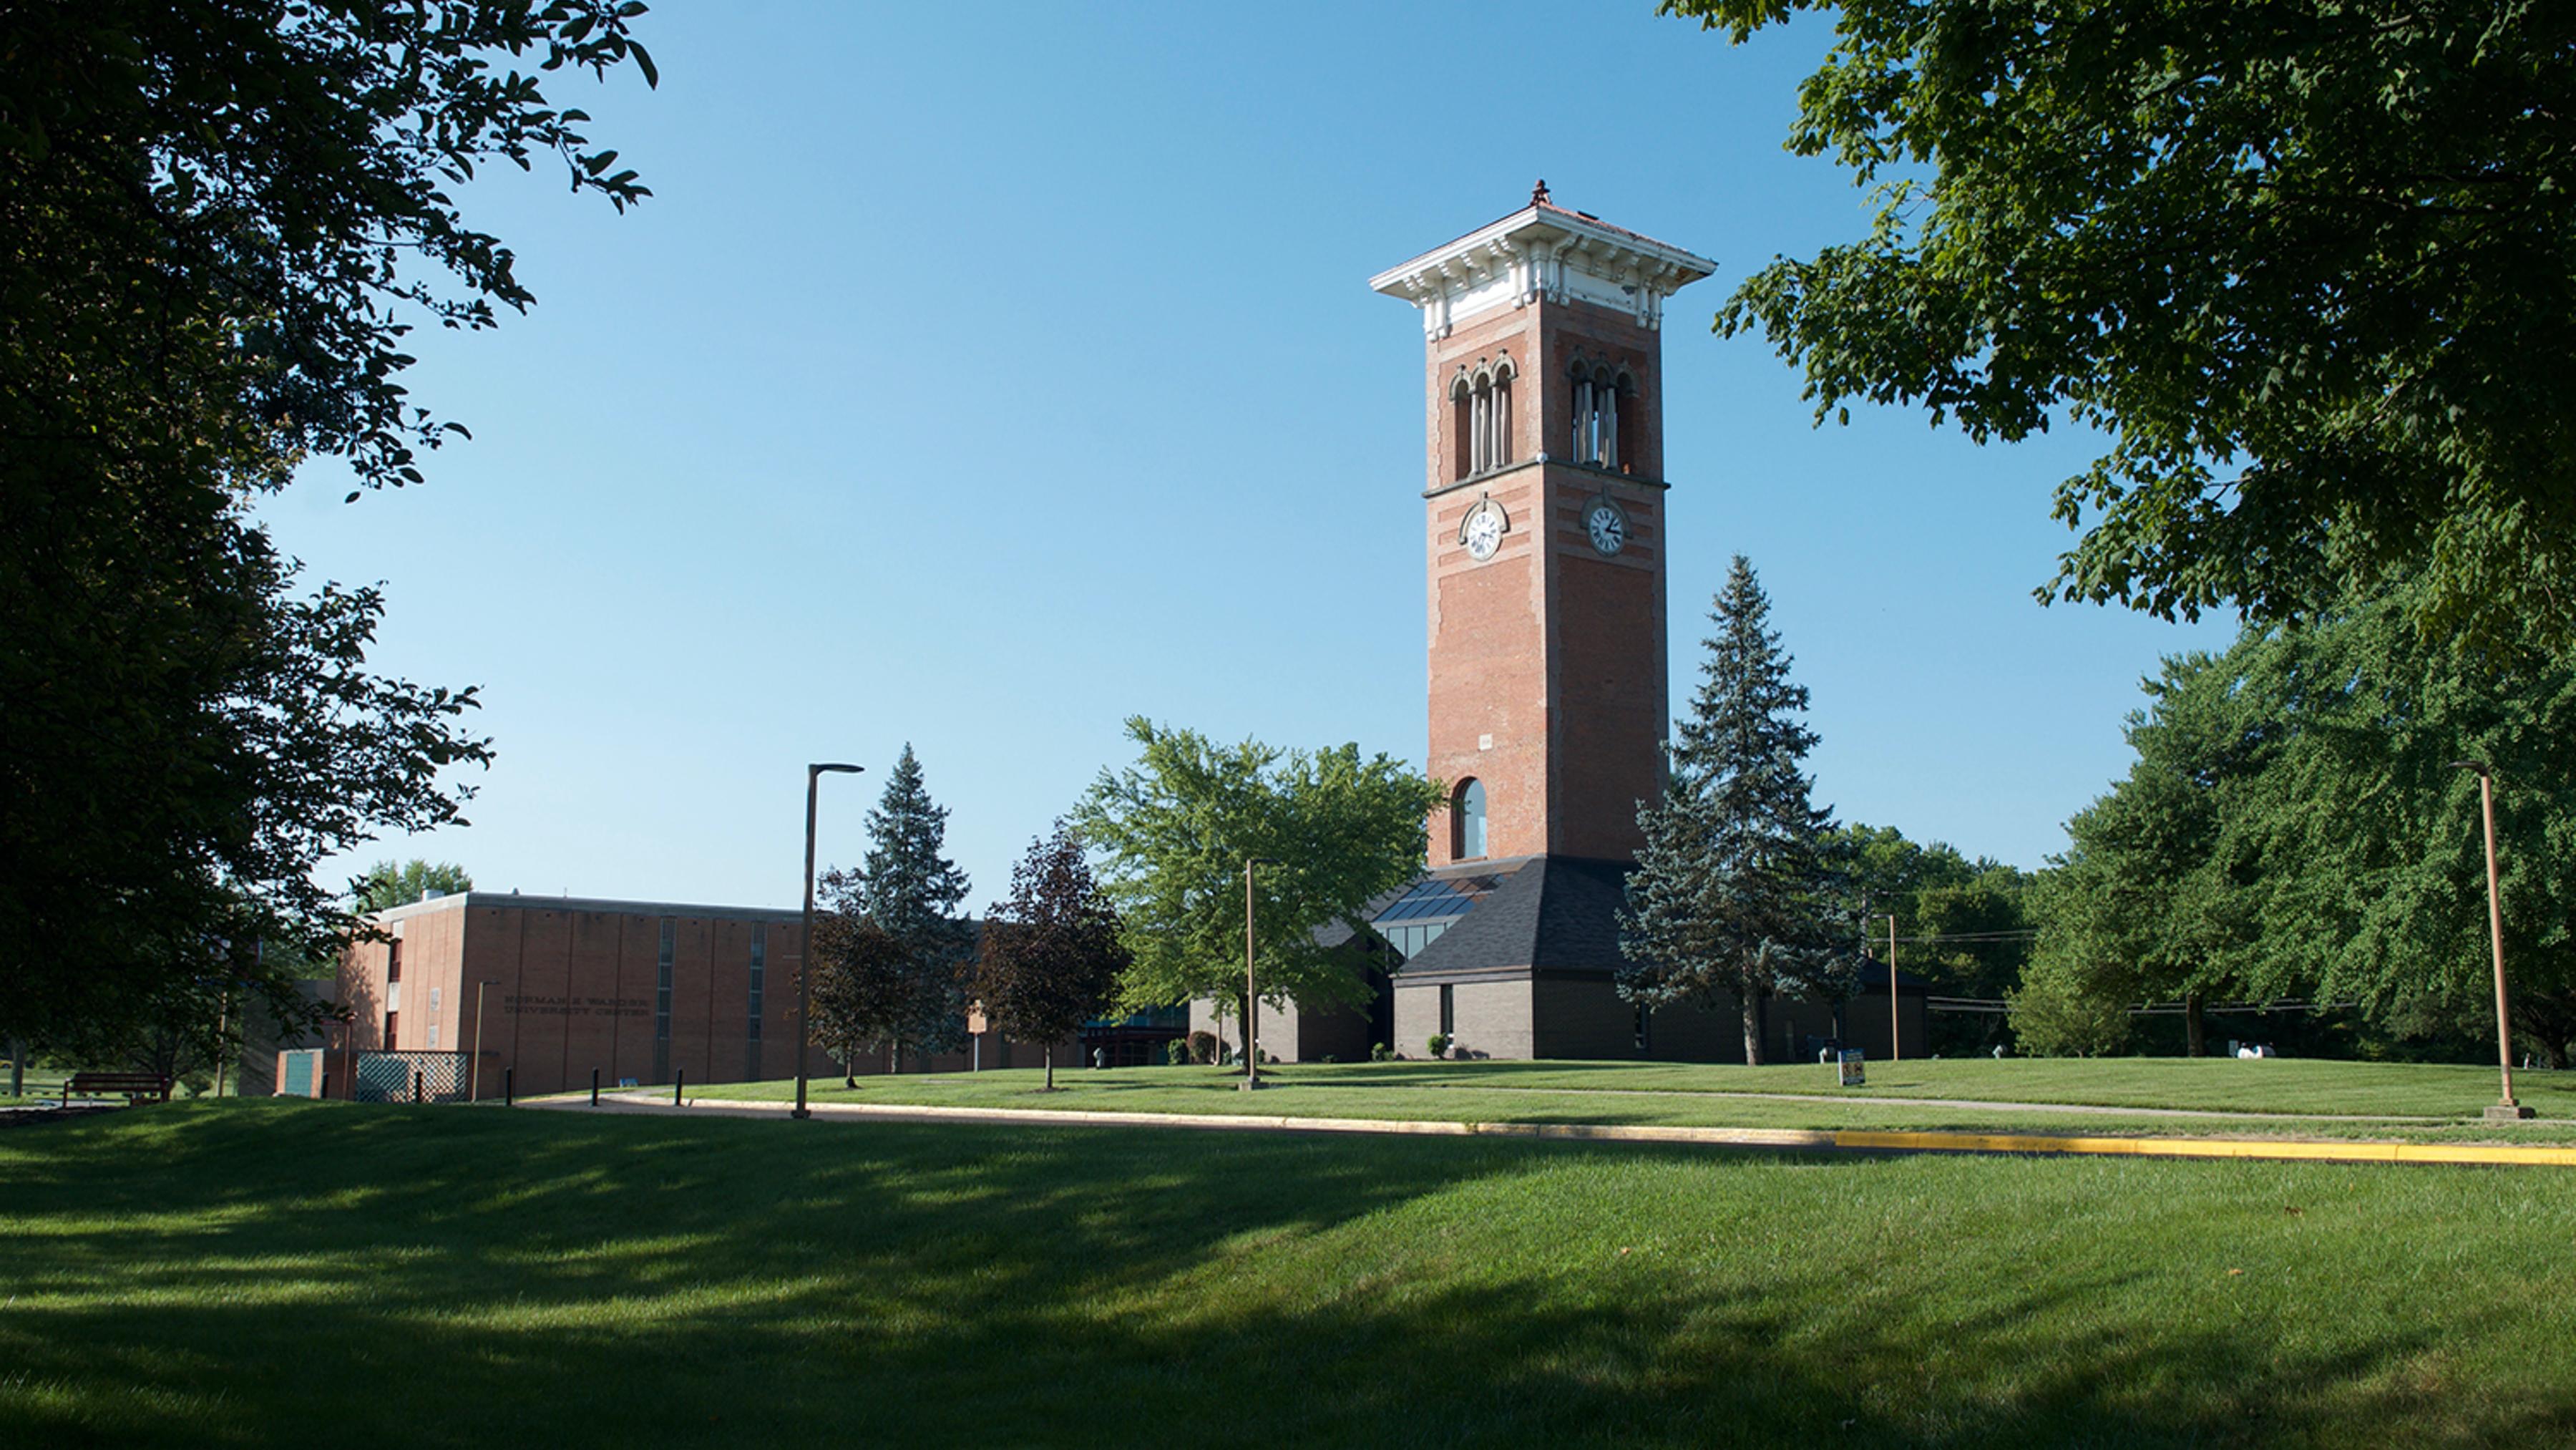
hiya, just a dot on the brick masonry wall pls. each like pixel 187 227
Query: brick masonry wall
pixel 1547 661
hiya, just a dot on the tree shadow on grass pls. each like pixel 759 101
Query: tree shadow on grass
pixel 250 1275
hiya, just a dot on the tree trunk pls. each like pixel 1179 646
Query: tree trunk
pixel 1752 1030
pixel 17 1067
pixel 2195 1031
pixel 1050 1067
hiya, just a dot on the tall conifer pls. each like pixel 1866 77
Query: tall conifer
pixel 1729 900
pixel 910 892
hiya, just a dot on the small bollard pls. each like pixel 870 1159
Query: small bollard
pixel 679 1081
pixel 594 1087
pixel 416 1081
pixel 506 1086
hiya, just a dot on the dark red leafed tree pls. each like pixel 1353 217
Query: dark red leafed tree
pixel 1050 957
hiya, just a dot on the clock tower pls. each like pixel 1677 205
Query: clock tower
pixel 1544 536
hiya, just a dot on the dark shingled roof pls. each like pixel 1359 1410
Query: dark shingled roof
pixel 1557 914
pixel 1552 913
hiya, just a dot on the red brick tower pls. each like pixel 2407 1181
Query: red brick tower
pixel 1544 512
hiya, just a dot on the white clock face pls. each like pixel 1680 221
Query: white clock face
pixel 1608 526
pixel 1484 530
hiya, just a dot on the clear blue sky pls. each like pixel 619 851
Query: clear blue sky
pixel 980 376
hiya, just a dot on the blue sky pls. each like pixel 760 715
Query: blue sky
pixel 979 377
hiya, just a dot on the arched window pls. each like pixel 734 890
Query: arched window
pixel 1481 418
pixel 1582 417
pixel 1598 427
pixel 1467 821
pixel 1462 427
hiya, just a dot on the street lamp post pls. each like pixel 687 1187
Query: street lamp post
pixel 1251 992
pixel 805 950
pixel 1895 1038
pixel 2507 1110
pixel 474 1069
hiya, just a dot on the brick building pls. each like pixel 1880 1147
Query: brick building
pixel 1544 550
pixel 551 987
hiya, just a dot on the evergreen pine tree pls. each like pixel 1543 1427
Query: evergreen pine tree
pixel 912 892
pixel 1729 901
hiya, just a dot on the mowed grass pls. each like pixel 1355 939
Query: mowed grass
pixel 252 1273
pixel 2272 1097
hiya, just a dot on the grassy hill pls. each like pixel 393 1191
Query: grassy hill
pixel 248 1273
pixel 2273 1096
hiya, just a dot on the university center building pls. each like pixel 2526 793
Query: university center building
pixel 1544 551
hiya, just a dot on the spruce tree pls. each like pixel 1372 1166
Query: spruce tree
pixel 911 892
pixel 1729 901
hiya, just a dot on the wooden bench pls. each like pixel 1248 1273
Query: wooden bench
pixel 136 1086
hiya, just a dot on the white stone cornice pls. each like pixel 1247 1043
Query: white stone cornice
pixel 1542 251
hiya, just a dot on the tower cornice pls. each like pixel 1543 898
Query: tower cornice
pixel 1542 252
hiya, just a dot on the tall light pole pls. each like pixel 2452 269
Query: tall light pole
pixel 2508 1109
pixel 805 948
pixel 1895 1038
pixel 474 1070
pixel 1251 993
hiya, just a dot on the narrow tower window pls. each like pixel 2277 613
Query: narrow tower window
pixel 1583 419
pixel 1596 416
pixel 1483 448
pixel 1467 821
pixel 1462 427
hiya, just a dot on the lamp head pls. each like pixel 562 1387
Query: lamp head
pixel 2479 766
pixel 834 768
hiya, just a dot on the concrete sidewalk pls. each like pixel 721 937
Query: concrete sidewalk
pixel 1828 1140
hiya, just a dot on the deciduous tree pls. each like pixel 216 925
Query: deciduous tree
pixel 2309 266
pixel 221 221
pixel 387 884
pixel 1176 828
pixel 1050 955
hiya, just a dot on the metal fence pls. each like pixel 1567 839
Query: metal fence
pixel 412 1077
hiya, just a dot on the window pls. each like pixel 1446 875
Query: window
pixel 433 1002
pixel 1480 418
pixel 1417 918
pixel 1599 430
pixel 391 1018
pixel 1467 821
pixel 1448 1010
pixel 433 1037
pixel 662 983
pixel 751 1068
pixel 393 960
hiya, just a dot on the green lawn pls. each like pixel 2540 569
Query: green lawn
pixel 251 1273
pixel 42 1082
pixel 2273 1097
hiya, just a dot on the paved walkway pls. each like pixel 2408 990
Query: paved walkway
pixel 1795 1139
pixel 2238 1114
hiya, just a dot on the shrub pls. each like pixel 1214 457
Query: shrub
pixel 1439 1044
pixel 2057 1013
pixel 1380 1052
pixel 1176 1052
pixel 1203 1048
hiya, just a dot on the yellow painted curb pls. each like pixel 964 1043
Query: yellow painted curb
pixel 2310 1152
pixel 1811 1139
